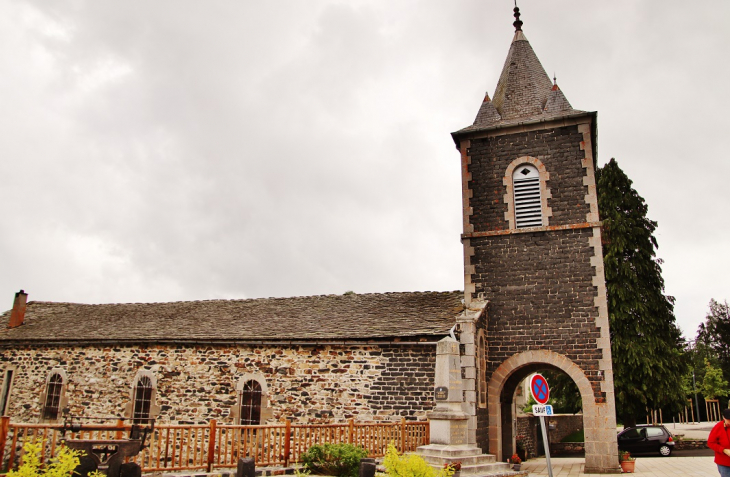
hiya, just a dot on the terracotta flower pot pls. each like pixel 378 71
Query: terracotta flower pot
pixel 628 466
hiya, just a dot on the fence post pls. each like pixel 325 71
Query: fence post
pixel 4 425
pixel 351 436
pixel 403 435
pixel 120 431
pixel 287 443
pixel 211 444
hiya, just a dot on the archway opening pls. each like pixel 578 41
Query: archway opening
pixel 520 433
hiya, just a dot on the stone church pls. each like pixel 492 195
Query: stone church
pixel 534 298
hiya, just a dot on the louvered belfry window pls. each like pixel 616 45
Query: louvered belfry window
pixel 142 400
pixel 528 206
pixel 53 397
pixel 251 404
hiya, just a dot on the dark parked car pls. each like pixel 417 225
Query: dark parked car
pixel 644 439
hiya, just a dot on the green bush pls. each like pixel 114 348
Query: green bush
pixel 334 459
pixel 411 465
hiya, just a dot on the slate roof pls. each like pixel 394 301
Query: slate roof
pixel 324 317
pixel 524 94
pixel 523 86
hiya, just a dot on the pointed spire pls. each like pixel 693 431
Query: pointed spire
pixel 487 114
pixel 524 91
pixel 557 101
pixel 523 86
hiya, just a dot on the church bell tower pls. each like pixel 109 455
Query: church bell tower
pixel 532 249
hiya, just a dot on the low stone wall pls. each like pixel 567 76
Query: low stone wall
pixel 565 425
pixel 528 428
pixel 567 448
pixel 574 448
pixel 683 444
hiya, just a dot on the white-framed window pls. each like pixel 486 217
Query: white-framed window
pixel 8 375
pixel 53 396
pixel 527 200
pixel 143 397
pixel 252 403
pixel 527 194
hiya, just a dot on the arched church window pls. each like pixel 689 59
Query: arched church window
pixel 142 399
pixel 250 403
pixel 52 398
pixel 482 369
pixel 527 200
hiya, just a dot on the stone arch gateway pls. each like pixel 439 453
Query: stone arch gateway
pixel 597 436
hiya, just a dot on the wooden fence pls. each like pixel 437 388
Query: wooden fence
pixel 207 446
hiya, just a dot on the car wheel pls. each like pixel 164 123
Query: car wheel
pixel 665 450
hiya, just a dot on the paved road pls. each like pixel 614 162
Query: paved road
pixel 646 466
pixel 694 462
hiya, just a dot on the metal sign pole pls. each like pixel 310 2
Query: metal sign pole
pixel 546 445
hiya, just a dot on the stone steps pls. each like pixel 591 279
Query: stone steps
pixel 473 462
pixel 465 460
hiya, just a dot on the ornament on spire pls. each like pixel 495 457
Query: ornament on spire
pixel 517 23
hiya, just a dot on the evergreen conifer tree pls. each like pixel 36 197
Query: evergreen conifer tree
pixel 648 362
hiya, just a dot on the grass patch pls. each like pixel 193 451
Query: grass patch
pixel 577 436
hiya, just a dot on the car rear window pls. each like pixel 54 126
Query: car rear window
pixel 654 431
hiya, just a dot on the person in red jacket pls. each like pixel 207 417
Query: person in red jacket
pixel 719 441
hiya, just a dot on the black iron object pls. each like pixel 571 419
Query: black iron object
pixel 108 455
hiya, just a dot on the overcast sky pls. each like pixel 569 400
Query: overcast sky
pixel 187 150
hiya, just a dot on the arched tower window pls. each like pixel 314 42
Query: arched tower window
pixel 482 369
pixel 528 203
pixel 52 399
pixel 142 399
pixel 250 403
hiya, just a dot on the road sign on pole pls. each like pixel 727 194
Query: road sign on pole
pixel 541 393
pixel 539 389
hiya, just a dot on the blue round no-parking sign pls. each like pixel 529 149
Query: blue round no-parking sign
pixel 539 389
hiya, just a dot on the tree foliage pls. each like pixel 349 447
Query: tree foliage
pixel 713 336
pixel 645 340
pixel 714 385
pixel 564 393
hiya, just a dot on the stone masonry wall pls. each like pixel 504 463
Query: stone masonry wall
pixel 307 384
pixel 557 148
pixel 541 296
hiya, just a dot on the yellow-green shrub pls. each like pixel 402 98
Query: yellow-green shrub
pixel 410 465
pixel 60 466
